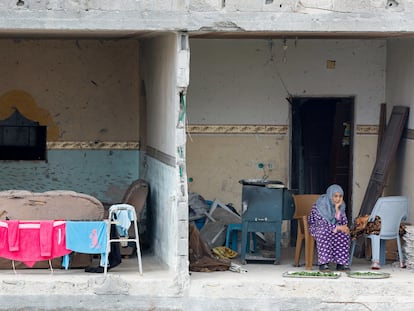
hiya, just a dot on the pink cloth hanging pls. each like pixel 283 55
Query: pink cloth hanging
pixel 32 246
pixel 13 235
pixel 46 236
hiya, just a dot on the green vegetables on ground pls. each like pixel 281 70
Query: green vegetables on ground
pixel 366 273
pixel 313 273
pixel 353 274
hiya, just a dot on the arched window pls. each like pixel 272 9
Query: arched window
pixel 22 139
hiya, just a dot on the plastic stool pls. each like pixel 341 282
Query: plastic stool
pixel 113 211
pixel 232 234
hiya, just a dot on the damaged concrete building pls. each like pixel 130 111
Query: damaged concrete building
pixel 193 96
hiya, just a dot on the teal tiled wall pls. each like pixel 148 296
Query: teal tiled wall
pixel 104 174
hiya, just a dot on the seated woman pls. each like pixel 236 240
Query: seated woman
pixel 328 226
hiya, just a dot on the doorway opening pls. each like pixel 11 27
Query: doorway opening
pixel 322 145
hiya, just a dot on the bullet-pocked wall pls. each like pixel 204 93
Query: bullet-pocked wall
pixel 87 94
pixel 239 117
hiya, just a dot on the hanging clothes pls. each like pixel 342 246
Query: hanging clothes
pixel 32 241
pixel 89 237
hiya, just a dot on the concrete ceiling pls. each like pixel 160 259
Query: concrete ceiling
pixel 132 34
pixel 75 34
pixel 302 35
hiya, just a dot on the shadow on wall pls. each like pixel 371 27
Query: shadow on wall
pixel 27 106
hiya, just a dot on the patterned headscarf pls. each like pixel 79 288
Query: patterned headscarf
pixel 325 204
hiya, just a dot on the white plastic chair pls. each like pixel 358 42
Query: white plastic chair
pixel 392 210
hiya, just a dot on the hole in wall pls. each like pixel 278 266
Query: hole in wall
pixel 392 3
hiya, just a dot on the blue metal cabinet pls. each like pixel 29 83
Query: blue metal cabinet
pixel 266 205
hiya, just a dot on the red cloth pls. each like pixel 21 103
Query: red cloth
pixel 46 237
pixel 13 235
pixel 37 240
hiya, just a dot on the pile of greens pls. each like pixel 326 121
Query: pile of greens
pixel 365 273
pixel 313 273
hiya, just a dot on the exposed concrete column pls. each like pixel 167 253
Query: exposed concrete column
pixel 183 70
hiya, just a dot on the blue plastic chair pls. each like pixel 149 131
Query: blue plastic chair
pixel 232 235
pixel 392 210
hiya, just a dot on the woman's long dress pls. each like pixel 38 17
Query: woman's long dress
pixel 332 246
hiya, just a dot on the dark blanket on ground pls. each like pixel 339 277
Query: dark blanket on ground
pixel 200 255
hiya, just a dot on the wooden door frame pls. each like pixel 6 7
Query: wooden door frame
pixel 346 99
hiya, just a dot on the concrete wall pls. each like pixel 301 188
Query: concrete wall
pixel 257 75
pixel 243 85
pixel 160 89
pixel 400 78
pixel 163 82
pixel 84 86
pixel 87 93
pixel 213 5
pixel 400 75
pixel 131 16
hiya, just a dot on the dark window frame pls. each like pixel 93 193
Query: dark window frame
pixel 22 139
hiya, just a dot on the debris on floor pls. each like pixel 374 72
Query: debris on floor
pixel 200 255
pixel 223 252
pixel 237 268
pixel 219 216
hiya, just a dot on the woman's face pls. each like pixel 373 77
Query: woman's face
pixel 337 198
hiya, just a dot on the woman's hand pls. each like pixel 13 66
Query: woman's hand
pixel 337 200
pixel 343 228
pixel 338 206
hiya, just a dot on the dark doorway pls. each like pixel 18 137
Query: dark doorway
pixel 322 142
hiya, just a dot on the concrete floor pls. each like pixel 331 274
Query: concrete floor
pixel 263 287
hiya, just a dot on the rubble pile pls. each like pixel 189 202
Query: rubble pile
pixel 408 238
